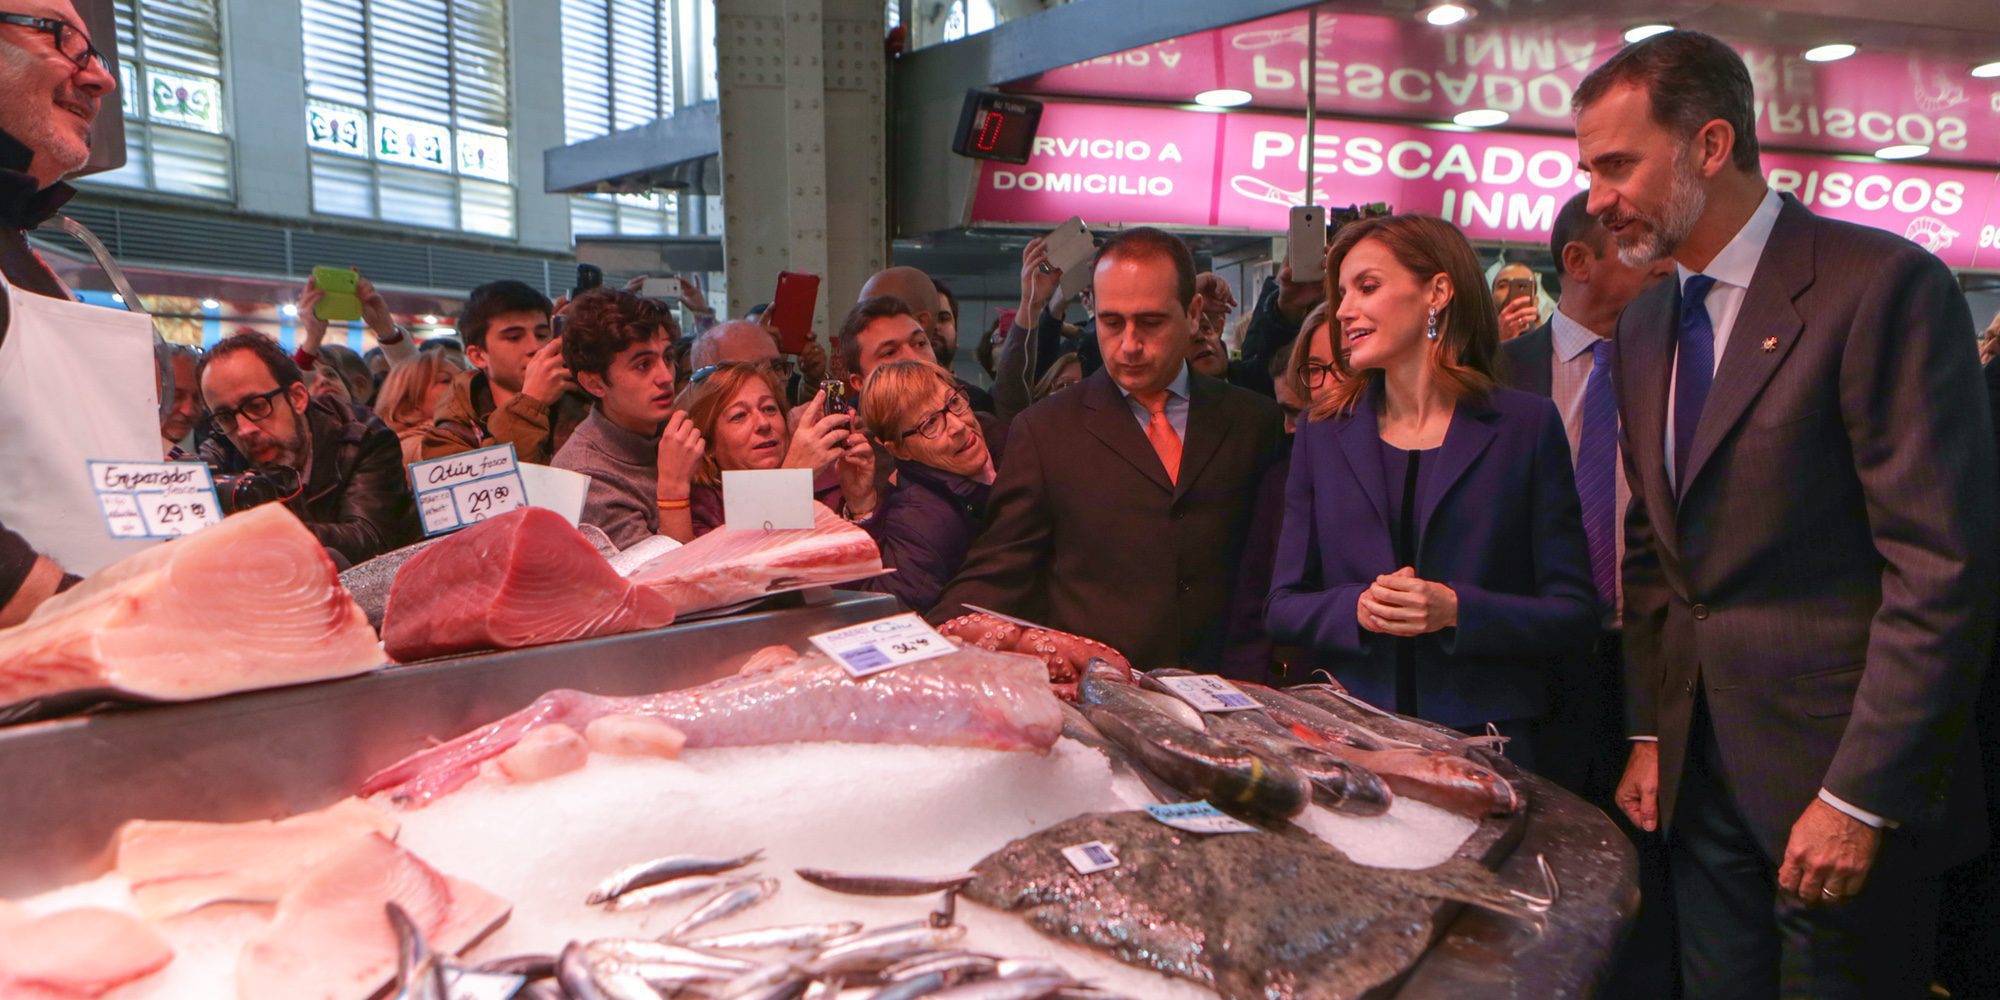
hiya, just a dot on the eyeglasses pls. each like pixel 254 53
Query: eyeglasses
pixel 1316 374
pixel 932 427
pixel 258 408
pixel 70 40
pixel 774 366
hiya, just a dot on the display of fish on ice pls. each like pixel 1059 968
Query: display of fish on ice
pixel 967 698
pixel 1300 921
pixel 252 602
pixel 175 866
pixel 524 578
pixel 1066 654
pixel 729 566
pixel 69 954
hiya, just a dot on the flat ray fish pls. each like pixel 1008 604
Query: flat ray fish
pixel 1258 915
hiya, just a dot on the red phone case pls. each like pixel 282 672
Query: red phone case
pixel 792 310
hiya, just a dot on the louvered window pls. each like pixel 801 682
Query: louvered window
pixel 626 63
pixel 170 88
pixel 407 113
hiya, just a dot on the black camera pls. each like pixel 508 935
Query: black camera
pixel 241 491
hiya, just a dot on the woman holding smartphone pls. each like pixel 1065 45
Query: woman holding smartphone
pixel 1433 556
pixel 738 408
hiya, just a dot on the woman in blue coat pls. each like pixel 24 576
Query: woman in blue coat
pixel 1432 556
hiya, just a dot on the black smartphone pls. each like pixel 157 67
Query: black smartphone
pixel 836 395
pixel 588 276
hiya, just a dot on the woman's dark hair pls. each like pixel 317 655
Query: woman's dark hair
pixel 601 323
pixel 1690 79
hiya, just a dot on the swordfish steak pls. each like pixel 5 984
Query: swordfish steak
pixel 249 603
pixel 521 579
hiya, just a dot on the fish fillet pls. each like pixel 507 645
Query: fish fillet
pixel 85 952
pixel 968 698
pixel 331 939
pixel 249 603
pixel 729 566
pixel 521 579
pixel 176 866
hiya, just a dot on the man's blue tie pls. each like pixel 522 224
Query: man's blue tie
pixel 1694 369
pixel 1597 472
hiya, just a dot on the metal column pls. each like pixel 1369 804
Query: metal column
pixel 803 125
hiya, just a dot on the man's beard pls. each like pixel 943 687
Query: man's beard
pixel 945 352
pixel 1660 237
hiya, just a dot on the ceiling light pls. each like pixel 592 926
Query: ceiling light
pixel 1223 98
pixel 1644 31
pixel 1907 151
pixel 1829 53
pixel 1445 15
pixel 1480 118
pixel 289 310
pixel 1986 71
pixel 210 304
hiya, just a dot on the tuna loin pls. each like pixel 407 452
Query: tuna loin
pixel 968 698
pixel 729 566
pixel 521 579
pixel 252 602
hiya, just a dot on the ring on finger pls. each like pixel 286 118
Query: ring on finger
pixel 1045 268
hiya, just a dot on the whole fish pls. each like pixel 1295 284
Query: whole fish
pixel 1026 988
pixel 1196 763
pixel 791 937
pixel 530 967
pixel 680 888
pixel 645 950
pixel 1300 921
pixel 730 902
pixel 574 974
pixel 911 987
pixel 877 952
pixel 1393 728
pixel 648 873
pixel 969 697
pixel 778 981
pixel 855 884
pixel 962 963
pixel 1340 785
pixel 419 970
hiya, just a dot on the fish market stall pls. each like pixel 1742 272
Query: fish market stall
pixel 902 789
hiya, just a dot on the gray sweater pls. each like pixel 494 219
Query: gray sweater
pixel 624 478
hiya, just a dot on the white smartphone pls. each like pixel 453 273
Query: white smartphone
pixel 1305 243
pixel 667 288
pixel 1071 249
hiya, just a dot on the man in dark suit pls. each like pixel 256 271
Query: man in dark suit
pixel 1123 502
pixel 1810 566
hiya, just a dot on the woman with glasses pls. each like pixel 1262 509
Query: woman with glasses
pixel 738 406
pixel 937 499
pixel 1432 555
pixel 1309 375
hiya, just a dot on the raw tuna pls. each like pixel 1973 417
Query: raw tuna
pixel 521 579
pixel 967 698
pixel 252 602
pixel 331 938
pixel 728 566
pixel 176 866
pixel 84 952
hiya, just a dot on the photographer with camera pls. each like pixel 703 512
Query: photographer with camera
pixel 335 465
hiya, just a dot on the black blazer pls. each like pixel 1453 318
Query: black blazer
pixel 1085 533
pixel 1827 572
pixel 1500 524
pixel 1527 362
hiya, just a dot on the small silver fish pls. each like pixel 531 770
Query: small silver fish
pixel 872 953
pixel 957 963
pixel 732 901
pixel 660 870
pixel 1032 988
pixel 645 950
pixel 1028 968
pixel 618 983
pixel 573 973
pixel 526 966
pixel 791 937
pixel 913 987
pixel 857 884
pixel 778 981
pixel 419 970
pixel 680 888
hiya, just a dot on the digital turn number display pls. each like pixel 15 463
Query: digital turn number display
pixel 997 127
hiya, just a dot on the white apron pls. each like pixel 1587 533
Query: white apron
pixel 76 383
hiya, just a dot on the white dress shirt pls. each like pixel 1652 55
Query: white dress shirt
pixel 1733 269
pixel 1570 363
pixel 1177 404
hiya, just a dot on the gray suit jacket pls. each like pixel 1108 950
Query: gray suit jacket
pixel 1828 571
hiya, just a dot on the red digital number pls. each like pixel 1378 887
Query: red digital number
pixel 989 133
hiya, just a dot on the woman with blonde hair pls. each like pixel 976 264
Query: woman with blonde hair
pixel 944 475
pixel 409 396
pixel 1433 555
pixel 739 409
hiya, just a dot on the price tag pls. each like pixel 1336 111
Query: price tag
pixel 873 647
pixel 767 499
pixel 155 499
pixel 1091 858
pixel 1208 693
pixel 468 488
pixel 1198 817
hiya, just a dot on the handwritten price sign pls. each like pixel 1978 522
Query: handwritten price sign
pixel 870 648
pixel 467 489
pixel 155 499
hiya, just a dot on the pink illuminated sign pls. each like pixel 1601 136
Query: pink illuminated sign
pixel 1396 67
pixel 1130 166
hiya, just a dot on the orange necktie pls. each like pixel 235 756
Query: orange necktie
pixel 1165 442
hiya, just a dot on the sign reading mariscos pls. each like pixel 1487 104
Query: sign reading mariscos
pixel 1133 166
pixel 1396 67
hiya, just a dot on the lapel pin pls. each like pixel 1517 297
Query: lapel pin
pixel 1770 344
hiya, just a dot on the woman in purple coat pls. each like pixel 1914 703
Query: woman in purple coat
pixel 937 498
